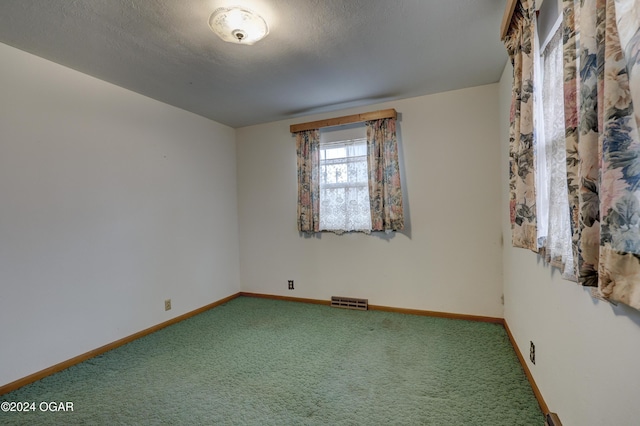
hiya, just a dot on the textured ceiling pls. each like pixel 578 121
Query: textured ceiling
pixel 320 55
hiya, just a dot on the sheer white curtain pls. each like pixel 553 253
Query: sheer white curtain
pixel 344 189
pixel 558 240
pixel 540 148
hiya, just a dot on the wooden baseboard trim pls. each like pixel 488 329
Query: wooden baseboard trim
pixel 437 314
pixel 527 372
pixel 382 308
pixel 95 352
pixel 286 298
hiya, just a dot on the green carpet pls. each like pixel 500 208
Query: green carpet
pixel 265 362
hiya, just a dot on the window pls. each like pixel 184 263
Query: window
pixel 555 207
pixel 590 76
pixel 344 187
pixel 352 171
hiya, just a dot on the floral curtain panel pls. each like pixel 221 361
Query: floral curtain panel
pixel 603 150
pixel 385 191
pixel 628 23
pixel 522 198
pixel 308 151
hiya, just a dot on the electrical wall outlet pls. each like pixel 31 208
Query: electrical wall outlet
pixel 532 352
pixel 167 304
pixel 290 284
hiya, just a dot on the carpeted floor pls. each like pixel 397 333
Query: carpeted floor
pixel 265 362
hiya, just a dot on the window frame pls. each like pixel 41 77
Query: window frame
pixel 360 142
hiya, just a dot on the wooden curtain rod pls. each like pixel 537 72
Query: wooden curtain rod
pixel 506 18
pixel 347 119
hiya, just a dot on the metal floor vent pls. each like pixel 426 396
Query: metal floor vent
pixel 349 303
pixel 552 419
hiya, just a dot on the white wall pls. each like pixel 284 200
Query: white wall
pixel 110 202
pixel 586 350
pixel 448 259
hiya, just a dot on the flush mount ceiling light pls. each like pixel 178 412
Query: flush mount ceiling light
pixel 238 25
